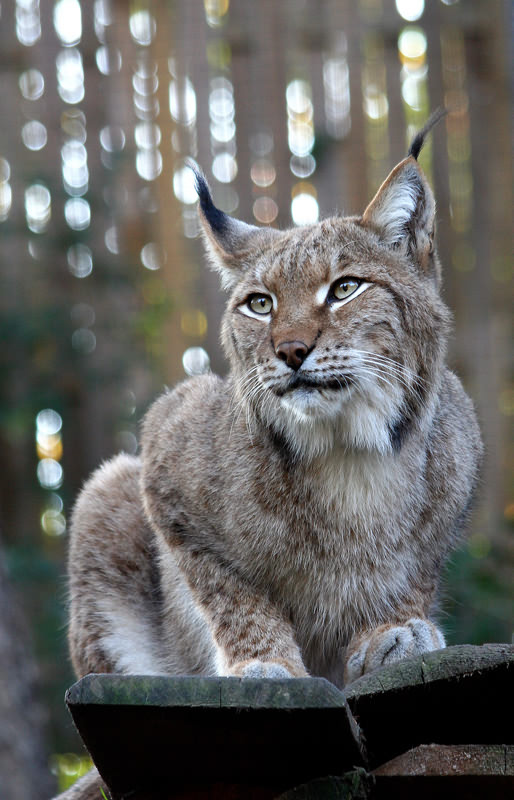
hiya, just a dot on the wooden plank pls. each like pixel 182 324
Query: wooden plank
pixel 452 662
pixel 470 772
pixel 355 785
pixel 452 760
pixel 467 772
pixel 185 736
pixel 452 696
pixel 189 691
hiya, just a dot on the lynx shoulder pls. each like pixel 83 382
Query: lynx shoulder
pixel 294 517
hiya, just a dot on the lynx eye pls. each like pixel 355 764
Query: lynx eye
pixel 343 288
pixel 260 303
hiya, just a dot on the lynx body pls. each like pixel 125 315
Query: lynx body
pixel 294 517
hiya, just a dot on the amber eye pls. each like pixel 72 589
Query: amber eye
pixel 343 288
pixel 260 303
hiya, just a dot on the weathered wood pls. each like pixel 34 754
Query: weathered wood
pixel 453 760
pixel 355 785
pixel 451 696
pixel 89 787
pixel 450 663
pixel 456 772
pixel 470 772
pixel 193 692
pixel 213 737
pixel 434 725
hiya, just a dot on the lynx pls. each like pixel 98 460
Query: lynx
pixel 292 518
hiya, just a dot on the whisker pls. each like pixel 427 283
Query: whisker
pixel 403 374
pixel 243 396
pixel 384 359
pixel 378 375
pixel 389 369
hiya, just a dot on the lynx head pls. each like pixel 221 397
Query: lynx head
pixel 335 332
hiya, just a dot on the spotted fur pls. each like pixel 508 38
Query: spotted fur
pixel 294 517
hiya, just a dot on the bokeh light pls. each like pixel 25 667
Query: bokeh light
pixel 153 256
pixel 112 138
pixel 77 213
pixel 28 22
pixel 412 47
pixel 196 361
pixel 73 124
pixel 112 240
pixel 216 11
pixel 302 166
pixel 184 185
pixel 224 167
pixel 34 135
pixel 68 21
pixel 75 173
pixel 84 341
pixel 80 260
pixel 336 82
pixel 32 84
pixel 410 10
pixel 49 473
pixel 265 210
pixel 304 208
pixel 38 207
pixel 376 104
pixel 263 173
pixel 70 76
pixel 53 522
pixel 142 27
pixel 182 101
pixel 5 189
pixel 5 200
pixel 149 164
pixel 48 422
pixel 108 60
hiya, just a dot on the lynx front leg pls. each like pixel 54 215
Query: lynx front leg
pixel 371 650
pixel 251 636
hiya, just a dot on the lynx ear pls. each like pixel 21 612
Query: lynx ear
pixel 229 242
pixel 403 210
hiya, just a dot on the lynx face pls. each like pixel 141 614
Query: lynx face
pixel 319 325
pixel 335 332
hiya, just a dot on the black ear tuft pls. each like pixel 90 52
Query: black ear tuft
pixel 419 139
pixel 217 219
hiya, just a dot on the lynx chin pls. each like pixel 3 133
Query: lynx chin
pixel 292 518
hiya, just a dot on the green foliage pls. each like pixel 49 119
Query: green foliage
pixel 68 768
pixel 478 600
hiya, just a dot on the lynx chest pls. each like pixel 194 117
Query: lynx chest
pixel 329 536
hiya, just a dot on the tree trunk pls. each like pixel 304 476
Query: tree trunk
pixel 24 772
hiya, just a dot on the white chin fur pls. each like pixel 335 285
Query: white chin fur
pixel 313 424
pixel 310 404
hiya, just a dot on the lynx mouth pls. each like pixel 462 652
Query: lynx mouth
pixel 311 384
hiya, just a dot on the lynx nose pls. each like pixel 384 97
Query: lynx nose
pixel 293 353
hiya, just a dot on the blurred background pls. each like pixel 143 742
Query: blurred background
pixel 295 109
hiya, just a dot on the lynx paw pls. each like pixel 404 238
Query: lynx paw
pixel 263 669
pixel 388 644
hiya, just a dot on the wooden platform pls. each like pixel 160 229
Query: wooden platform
pixel 436 725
